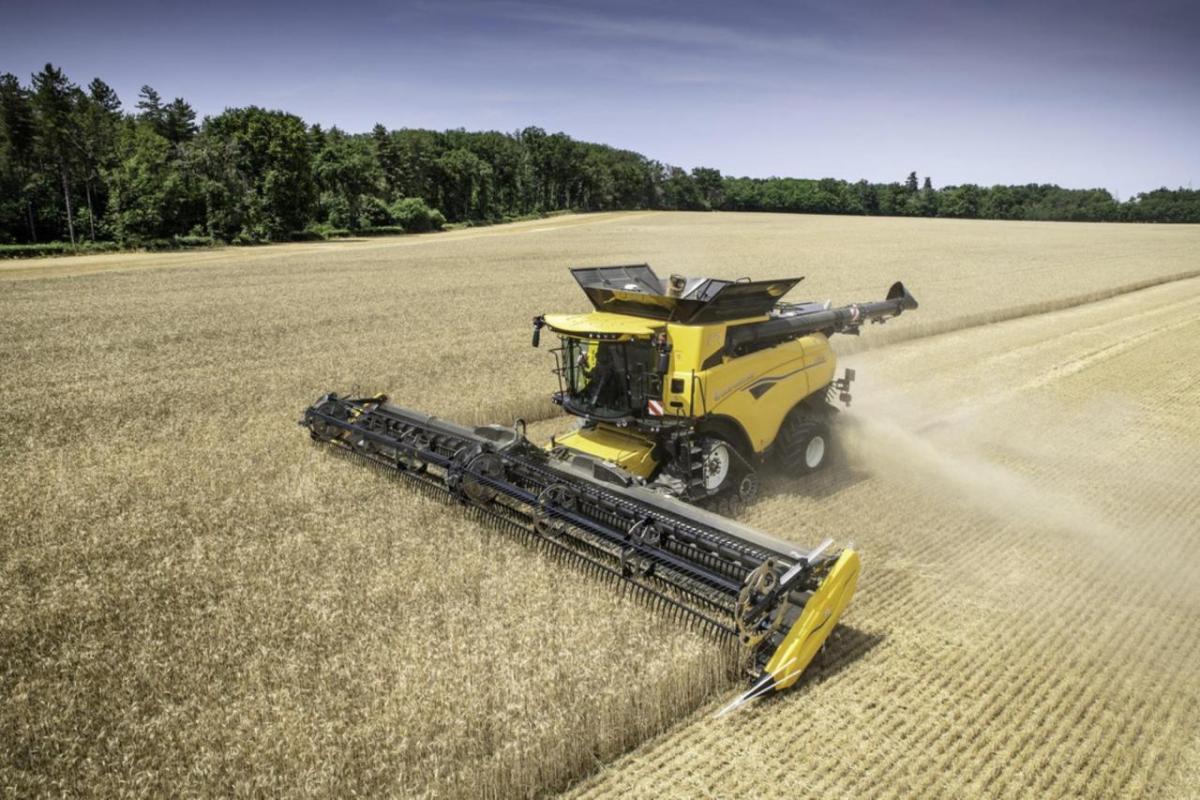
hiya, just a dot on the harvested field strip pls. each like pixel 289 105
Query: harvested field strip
pixel 1039 651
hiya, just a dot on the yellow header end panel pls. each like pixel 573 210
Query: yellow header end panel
pixel 819 617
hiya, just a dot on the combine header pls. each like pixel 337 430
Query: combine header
pixel 685 391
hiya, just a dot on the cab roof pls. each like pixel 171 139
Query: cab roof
pixel 602 325
pixel 635 290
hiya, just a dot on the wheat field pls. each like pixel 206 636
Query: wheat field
pixel 196 601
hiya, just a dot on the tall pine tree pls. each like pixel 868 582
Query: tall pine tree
pixel 57 132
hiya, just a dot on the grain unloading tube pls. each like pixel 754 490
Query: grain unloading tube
pixel 778 601
pixel 791 324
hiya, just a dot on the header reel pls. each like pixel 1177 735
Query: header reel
pixel 732 581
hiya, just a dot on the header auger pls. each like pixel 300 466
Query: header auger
pixel 685 390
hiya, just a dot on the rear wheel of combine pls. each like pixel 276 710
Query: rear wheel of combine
pixel 803 445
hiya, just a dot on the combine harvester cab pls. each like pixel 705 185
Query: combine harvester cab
pixel 625 517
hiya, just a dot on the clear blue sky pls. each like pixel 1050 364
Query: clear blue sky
pixel 1082 94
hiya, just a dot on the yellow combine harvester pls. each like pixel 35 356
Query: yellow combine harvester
pixel 685 390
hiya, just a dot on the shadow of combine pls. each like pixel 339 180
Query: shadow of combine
pixel 845 645
pixel 835 478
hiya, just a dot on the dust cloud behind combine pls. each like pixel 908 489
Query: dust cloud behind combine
pixel 989 447
pixel 194 601
pixel 950 461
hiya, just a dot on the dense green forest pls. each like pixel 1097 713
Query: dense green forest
pixel 76 167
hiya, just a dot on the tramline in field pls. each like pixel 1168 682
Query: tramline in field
pixel 685 390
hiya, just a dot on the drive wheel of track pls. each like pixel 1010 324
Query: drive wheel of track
pixel 718 465
pixel 803 445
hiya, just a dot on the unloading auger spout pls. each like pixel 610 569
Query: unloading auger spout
pixel 792 323
pixel 779 601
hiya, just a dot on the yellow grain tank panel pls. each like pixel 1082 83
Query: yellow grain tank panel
pixel 758 390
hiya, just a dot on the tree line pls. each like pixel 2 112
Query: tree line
pixel 77 167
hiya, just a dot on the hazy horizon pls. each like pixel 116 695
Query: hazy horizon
pixel 1078 94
